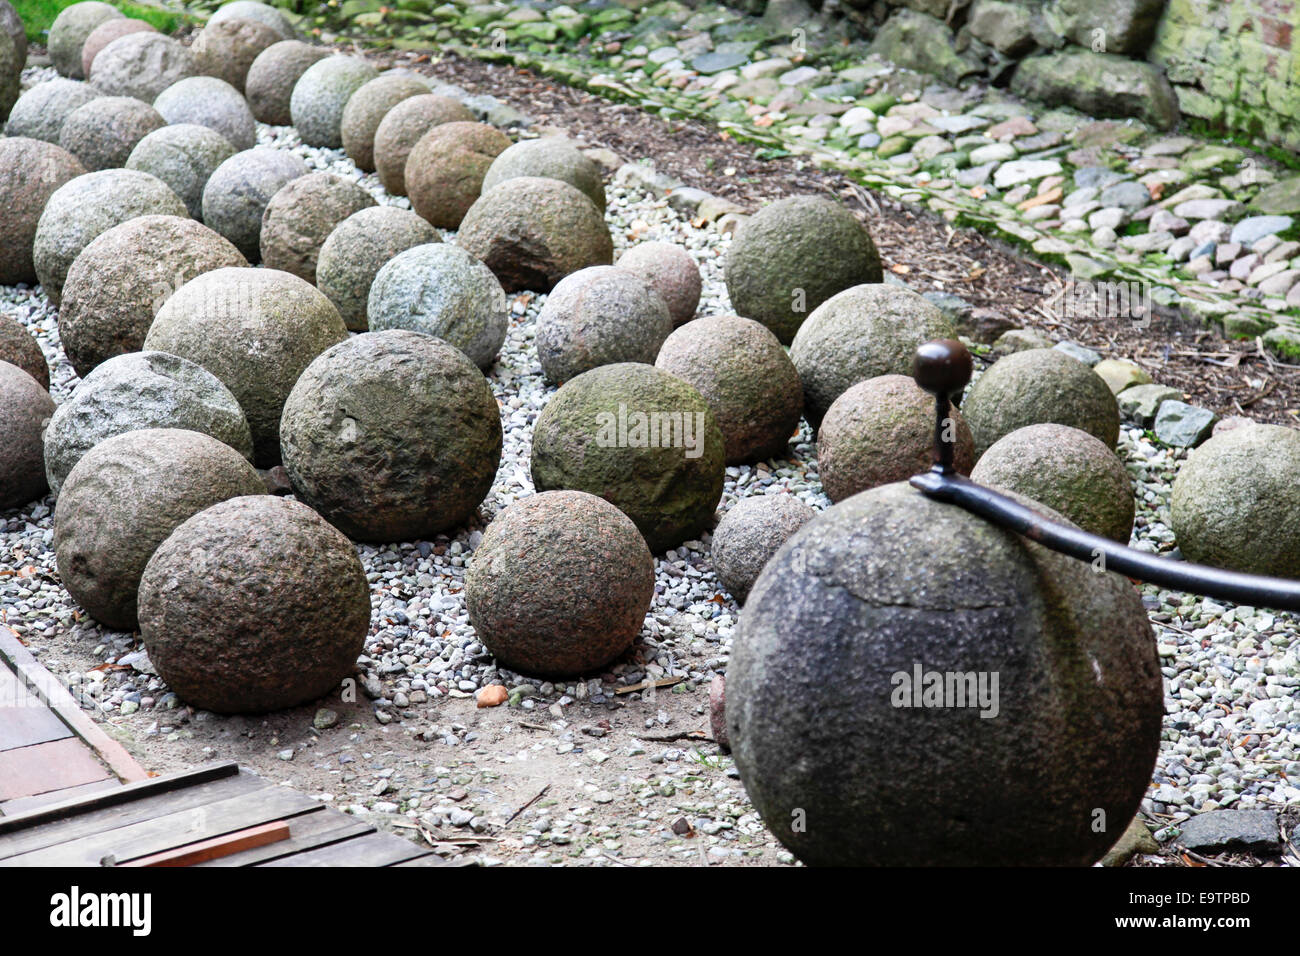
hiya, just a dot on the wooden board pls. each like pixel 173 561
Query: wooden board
pixel 217 848
pixel 374 849
pixel 27 804
pixel 26 771
pixel 25 720
pixel 306 832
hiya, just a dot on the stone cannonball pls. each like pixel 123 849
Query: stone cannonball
pixel 273 75
pixel 301 216
pixel 551 157
pixel 444 173
pixel 69 31
pixel 31 171
pixel 25 408
pixel 40 112
pixel 106 33
pixel 367 109
pixel 254 10
pixel 671 271
pixel 322 93
pixel 12 24
pixel 405 125
pixel 19 347
pixel 11 69
pixel 103 132
pixel 208 101
pixel 184 156
pixel 227 48
pixel 142 65
pixel 752 530
pixel 237 193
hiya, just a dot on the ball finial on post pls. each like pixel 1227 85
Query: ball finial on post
pixel 943 368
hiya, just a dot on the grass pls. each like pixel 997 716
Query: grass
pixel 37 15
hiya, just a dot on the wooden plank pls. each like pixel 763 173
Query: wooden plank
pixel 26 804
pixel 374 849
pixel 168 830
pixel 25 720
pixel 306 832
pixel 55 765
pixel 217 847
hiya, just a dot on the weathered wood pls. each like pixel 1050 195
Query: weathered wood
pixel 217 847
pixel 27 771
pixel 25 720
pixel 306 832
pixel 375 849
pixel 25 805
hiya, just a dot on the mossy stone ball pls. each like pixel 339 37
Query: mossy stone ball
pixel 1066 469
pixel 142 65
pixel 122 500
pixel 184 156
pixel 301 216
pixel 643 440
pixel 25 408
pixel 237 622
pixel 861 333
pixel 227 48
pixel 255 329
pixel 367 109
pixel 392 436
pixel 237 193
pixel 560 584
pixel 358 248
pixel 444 173
pixel 254 10
pixel 551 157
pixel 322 93
pixel 69 31
pixel 19 347
pixel 39 113
pixel 532 232
pixel 1234 503
pixel 103 132
pixel 405 125
pixel 746 377
pixel 671 271
pixel 903 611
pixel 881 431
pixel 212 102
pixel 749 534
pixel 273 75
pixel 121 279
pixel 1039 386
pixel 793 255
pixel 31 171
pixel 106 33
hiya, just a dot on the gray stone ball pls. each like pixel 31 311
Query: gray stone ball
pixel 69 31
pixel 1066 469
pixel 358 248
pixel 184 156
pixel 120 280
pixel 405 125
pixel 881 431
pixel 88 206
pixel 1039 386
pixel 749 534
pixel 301 216
pixel 106 33
pixel 237 193
pixel 253 10
pixel 227 48
pixel 367 109
pixel 790 257
pixel 443 291
pixel 532 232
pixel 273 75
pixel 208 101
pixel 672 272
pixel 551 157
pixel 560 584
pixel 322 93
pixel 888 584
pixel 25 408
pixel 256 330
pixel 31 171
pixel 19 347
pixel 444 173
pixel 122 500
pixel 392 436
pixel 12 24
pixel 860 333
pixel 40 112
pixel 103 132
pixel 1234 502
pixel 136 391
pixel 252 627
pixel 11 69
pixel 599 316
pixel 640 438
pixel 142 65
pixel 746 377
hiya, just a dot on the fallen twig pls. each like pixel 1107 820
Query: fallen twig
pixel 540 794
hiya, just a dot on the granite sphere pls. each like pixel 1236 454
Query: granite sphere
pixel 253 10
pixel 31 171
pixel 69 31
pixel 40 112
pixel 444 173
pixel 237 193
pixel 19 347
pixel 671 271
pixel 208 101
pixel 551 157
pixel 321 95
pixel 301 216
pixel 184 156
pixel 12 24
pixel 142 65
pixel 25 408
pixel 749 534
pixel 103 133
pixel 405 125
pixel 106 33
pixel 367 109
pixel 227 48
pixel 273 75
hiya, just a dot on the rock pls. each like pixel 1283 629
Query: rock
pixel 532 232
pixel 121 279
pixel 321 95
pixel 392 436
pixel 227 48
pixel 1140 403
pixel 31 172
pixel 560 584
pixel 325 719
pixel 104 34
pixel 793 255
pixel 69 31
pixel 750 533
pixel 718 713
pixel 1119 374
pixel 445 170
pixel 1251 230
pixel 881 430
pixel 1125 26
pixel 1024 170
pixel 1183 425
pixel 19 347
pixel 301 216
pixel 1020 340
pixel 208 101
pixel 849 592
pixel 405 125
pixel 256 330
pixel 494 695
pixel 1280 199
pixel 1100 85
pixel 184 156
pixel 1234 504
pixel 596 316
pixel 1067 470
pixel 671 271
pixel 253 10
pixel 25 407
pixel 142 65
pixel 358 249
pixel 551 157
pixel 11 69
pixel 88 206
pixel 367 109
pixel 1080 353
pixel 441 290
pixel 1135 839
pixel 1128 196
pixel 39 113
pixel 861 333
pixel 121 501
pixel 12 24
pixel 1039 386
pixel 640 438
pixel 273 75
pixel 1006 27
pixel 247 628
pixel 925 44
pixel 1213 209
pixel 103 132
pixel 1240 831
pixel 237 194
